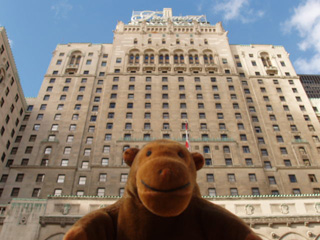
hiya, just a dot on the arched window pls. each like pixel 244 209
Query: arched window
pixel 191 59
pixel 196 59
pixel 161 59
pixel 152 59
pixel 176 59
pixel 167 59
pixel 146 58
pixel 226 149
pixel 137 58
pixel 211 58
pixel 131 58
pixel 75 58
pixel 181 58
pixel 205 59
pixel 265 59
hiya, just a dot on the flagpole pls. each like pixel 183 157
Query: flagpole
pixel 187 138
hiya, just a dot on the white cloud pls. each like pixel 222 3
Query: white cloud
pixel 306 21
pixel 237 10
pixel 61 8
pixel 10 42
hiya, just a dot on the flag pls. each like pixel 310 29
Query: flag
pixel 187 138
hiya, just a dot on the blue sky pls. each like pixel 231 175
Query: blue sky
pixel 35 27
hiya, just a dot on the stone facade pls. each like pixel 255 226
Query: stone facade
pixel 271 217
pixel 12 107
pixel 246 109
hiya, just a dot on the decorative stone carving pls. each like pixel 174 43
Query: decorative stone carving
pixel 102 206
pixel 23 220
pixel 66 209
pixel 249 209
pixel 284 208
pixel 317 207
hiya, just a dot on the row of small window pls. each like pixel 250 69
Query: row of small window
pixel 58 192
pixel 163 40
pixel 255 191
pixel 64 162
pixel 86 72
pixel 88 62
pixel 67 150
pixel 282 99
pixel 68 80
pixel 253 178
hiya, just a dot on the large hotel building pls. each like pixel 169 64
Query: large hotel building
pixel 246 109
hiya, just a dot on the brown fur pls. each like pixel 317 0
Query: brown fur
pixel 161 201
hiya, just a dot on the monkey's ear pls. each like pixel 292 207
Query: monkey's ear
pixel 129 155
pixel 198 160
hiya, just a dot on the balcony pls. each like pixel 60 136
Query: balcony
pixel 180 67
pixel 271 70
pixel 164 67
pixel 133 67
pixel 211 67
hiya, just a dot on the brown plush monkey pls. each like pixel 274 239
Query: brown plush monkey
pixel 161 201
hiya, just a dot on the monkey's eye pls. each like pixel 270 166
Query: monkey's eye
pixel 181 154
pixel 149 153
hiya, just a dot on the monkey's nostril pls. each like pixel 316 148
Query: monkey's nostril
pixel 165 173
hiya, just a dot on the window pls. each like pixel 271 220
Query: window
pixel 216 96
pixel 231 177
pixel 106 149
pixel 4 178
pixel 233 191
pixel 36 192
pixel 248 161
pixel 287 163
pixel 61 178
pixel 240 126
pixel 181 96
pixel 82 88
pixel 43 106
pixel 201 115
pixel 296 191
pixel 264 152
pixel 220 115
pixel 272 180
pixel 212 192
pixel 210 177
pixel 64 162
pixel 123 177
pixel 102 177
pixel 108 137
pixel 245 149
pixel 208 161
pixel 283 151
pixel 292 178
pixel 228 162
pixel 57 192
pixel 15 192
pixel 243 137
pixel 73 127
pixel 184 115
pixel 147 126
pixel 255 191
pixel 276 127
pixel 82 180
pixel 252 177
pixel 312 178
pixel 222 126
pixel 28 150
pixel 44 162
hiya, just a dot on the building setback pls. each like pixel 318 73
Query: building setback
pixel 246 109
